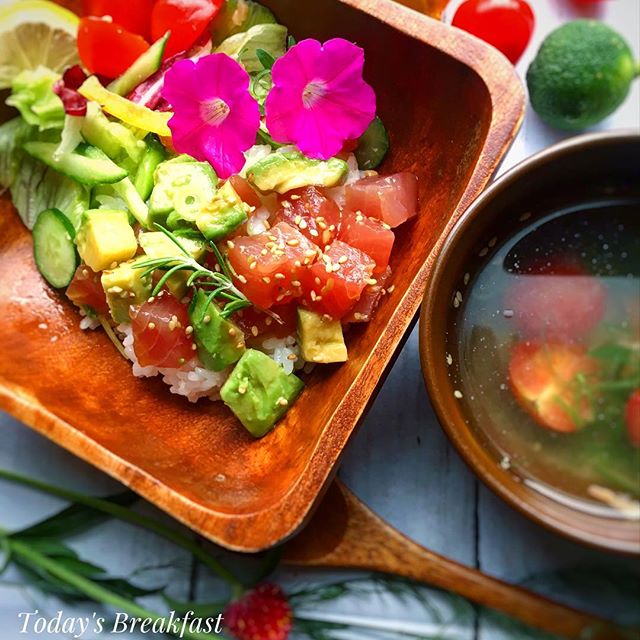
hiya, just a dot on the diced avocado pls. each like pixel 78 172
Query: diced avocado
pixel 283 172
pixel 271 38
pixel 181 187
pixel 113 138
pixel 220 342
pixel 157 245
pixel 105 237
pixel 224 214
pixel 125 286
pixel 259 392
pixel 321 338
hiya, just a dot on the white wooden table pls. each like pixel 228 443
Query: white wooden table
pixel 414 479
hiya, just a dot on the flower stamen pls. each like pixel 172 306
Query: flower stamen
pixel 215 112
pixel 313 93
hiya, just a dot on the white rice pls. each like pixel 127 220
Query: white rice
pixel 285 351
pixel 191 380
pixel 88 323
pixel 194 381
pixel 258 221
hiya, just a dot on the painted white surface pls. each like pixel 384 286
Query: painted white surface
pixel 400 463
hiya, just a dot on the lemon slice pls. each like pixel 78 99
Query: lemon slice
pixel 34 33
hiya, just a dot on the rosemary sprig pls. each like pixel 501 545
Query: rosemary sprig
pixel 220 281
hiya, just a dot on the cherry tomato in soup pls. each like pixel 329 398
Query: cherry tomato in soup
pixel 561 302
pixel 85 290
pixel 159 328
pixel 632 418
pixel 135 16
pixel 186 19
pixel 505 24
pixel 542 378
pixel 107 49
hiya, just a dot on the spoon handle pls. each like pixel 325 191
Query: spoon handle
pixel 345 533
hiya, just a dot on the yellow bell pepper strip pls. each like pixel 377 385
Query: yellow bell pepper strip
pixel 135 115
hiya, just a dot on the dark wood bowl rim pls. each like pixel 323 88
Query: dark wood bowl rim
pixel 547 512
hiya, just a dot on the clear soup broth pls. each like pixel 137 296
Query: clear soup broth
pixel 548 345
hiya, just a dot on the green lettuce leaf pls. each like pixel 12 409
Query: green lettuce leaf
pixel 13 134
pixel 37 188
pixel 271 38
pixel 32 95
pixel 237 16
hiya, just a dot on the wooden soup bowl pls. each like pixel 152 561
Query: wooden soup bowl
pixel 599 166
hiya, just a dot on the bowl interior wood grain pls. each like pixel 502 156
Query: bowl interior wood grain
pixel 596 167
pixel 452 105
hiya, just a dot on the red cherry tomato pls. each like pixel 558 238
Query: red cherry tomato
pixel 505 24
pixel 632 418
pixel 106 48
pixel 186 19
pixel 134 16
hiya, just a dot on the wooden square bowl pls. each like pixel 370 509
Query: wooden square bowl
pixel 452 106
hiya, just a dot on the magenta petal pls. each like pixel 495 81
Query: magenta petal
pixel 215 117
pixel 320 99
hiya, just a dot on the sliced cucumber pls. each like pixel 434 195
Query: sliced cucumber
pixel 372 145
pixel 144 67
pixel 85 170
pixel 54 249
pixel 135 204
pixel 154 155
pixel 111 137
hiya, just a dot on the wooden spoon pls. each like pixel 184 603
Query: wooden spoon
pixel 345 533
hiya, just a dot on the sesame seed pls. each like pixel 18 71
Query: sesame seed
pixel 283 402
pixel 296 283
pixel 264 252
pixel 152 325
pixel 314 233
pixel 279 276
pixel 189 330
pixel 326 236
pixel 242 279
pixel 43 326
pixel 266 279
pixel 292 356
pixel 230 244
pixel 294 242
pixel 232 332
pixel 253 265
pixel 391 288
pixel 303 224
pixel 342 259
pixel 254 330
pixel 286 204
pixel 242 389
pixel 151 299
pixel 310 253
pixel 206 319
pixel 268 321
pixel 317 281
pixel 294 196
pixel 194 346
pixel 297 263
pixel 181 360
pixel 372 281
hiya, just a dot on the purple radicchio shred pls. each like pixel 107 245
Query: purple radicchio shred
pixel 149 92
pixel 67 90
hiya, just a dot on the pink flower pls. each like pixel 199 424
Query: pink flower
pixel 319 98
pixel 215 118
